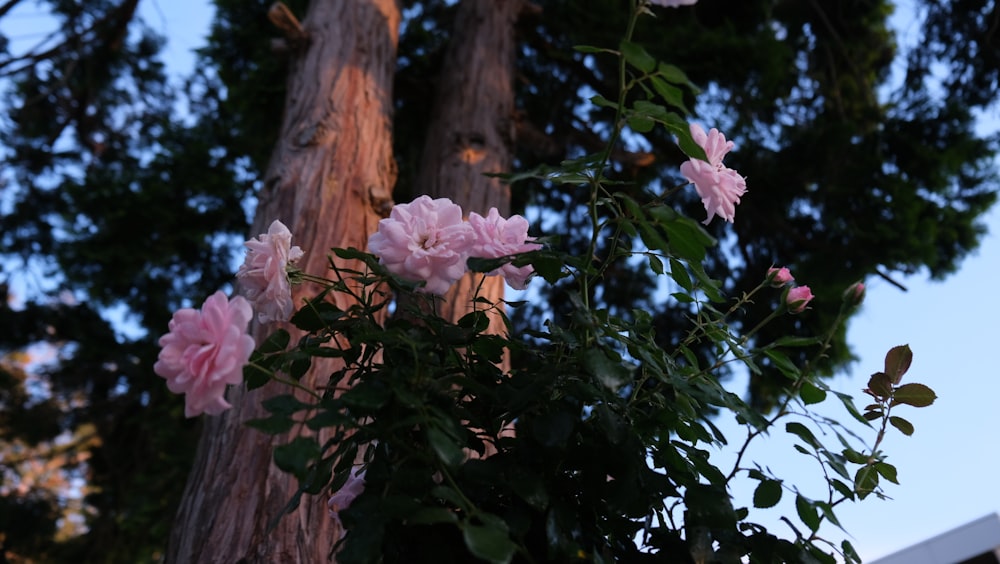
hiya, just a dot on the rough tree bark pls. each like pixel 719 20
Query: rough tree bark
pixel 330 180
pixel 472 130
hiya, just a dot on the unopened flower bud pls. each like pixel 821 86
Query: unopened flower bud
pixel 855 294
pixel 798 298
pixel 778 277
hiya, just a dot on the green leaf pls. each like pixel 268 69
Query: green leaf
pixel 671 94
pixel 603 102
pixel 676 75
pixel 807 512
pixel 783 364
pixel 865 480
pixel 255 376
pixel 803 432
pixel 445 447
pixel 887 471
pixel 903 425
pixel 897 362
pixel 637 56
pixel 284 404
pixel 366 395
pixel 295 456
pixel 810 394
pixel 680 275
pixel 272 425
pixel 655 264
pixel 688 239
pixel 640 123
pixel 276 342
pixel 316 315
pixel 489 543
pixel 854 456
pixel 848 402
pixel 917 395
pixel 790 341
pixel 611 373
pixel 767 494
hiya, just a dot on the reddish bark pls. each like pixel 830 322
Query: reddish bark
pixel 472 129
pixel 330 180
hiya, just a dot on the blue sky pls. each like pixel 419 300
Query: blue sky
pixel 948 468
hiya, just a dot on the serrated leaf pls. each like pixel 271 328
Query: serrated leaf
pixel 445 447
pixel 295 456
pixel 655 264
pixel 865 481
pixel 807 512
pixel 255 376
pixel 880 385
pixel 917 395
pixel 675 75
pixel 903 425
pixel 609 372
pixel 637 56
pixel 810 394
pixel 897 362
pixel 602 102
pixel 803 432
pixel 671 94
pixel 276 342
pixel 680 275
pixel 854 456
pixel 284 404
pixel 767 494
pixel 887 471
pixel 272 425
pixel 783 364
pixel 641 124
pixel 489 543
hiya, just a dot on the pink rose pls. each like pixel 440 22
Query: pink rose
pixel 498 237
pixel 798 298
pixel 779 277
pixel 673 3
pixel 424 240
pixel 720 187
pixel 206 350
pixel 263 275
pixel 344 497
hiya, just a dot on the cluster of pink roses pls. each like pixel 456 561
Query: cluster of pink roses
pixel 720 187
pixel 205 350
pixel 798 297
pixel 427 240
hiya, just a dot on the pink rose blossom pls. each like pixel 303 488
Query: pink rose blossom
pixel 779 277
pixel 798 298
pixel 673 3
pixel 425 240
pixel 720 187
pixel 263 275
pixel 498 237
pixel 344 497
pixel 204 351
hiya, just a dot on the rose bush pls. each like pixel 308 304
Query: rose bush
pixel 614 454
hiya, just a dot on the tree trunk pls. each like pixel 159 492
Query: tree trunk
pixel 330 180
pixel 472 130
